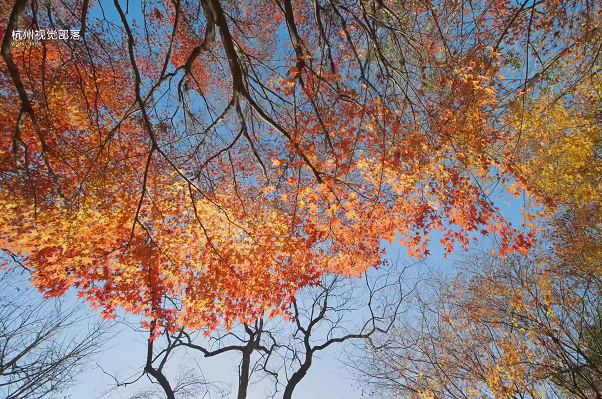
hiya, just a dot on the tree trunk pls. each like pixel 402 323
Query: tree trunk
pixel 297 377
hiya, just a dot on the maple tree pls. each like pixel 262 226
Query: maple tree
pixel 202 163
pixel 334 313
pixel 525 326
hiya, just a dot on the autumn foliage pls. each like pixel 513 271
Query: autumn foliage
pixel 199 162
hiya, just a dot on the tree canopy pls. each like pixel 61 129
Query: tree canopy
pixel 200 161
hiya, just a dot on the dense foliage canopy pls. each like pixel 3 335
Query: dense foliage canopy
pixel 200 161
